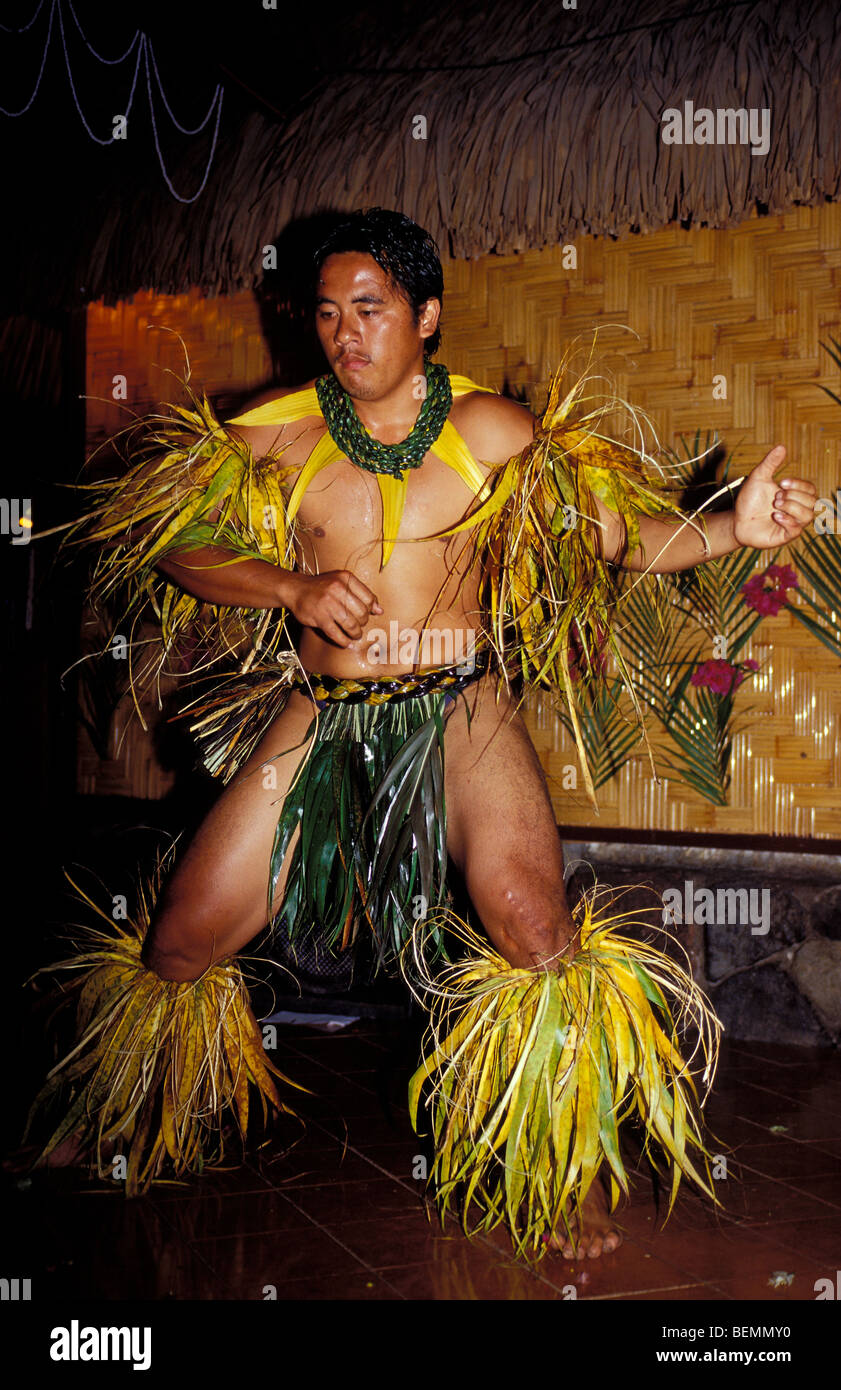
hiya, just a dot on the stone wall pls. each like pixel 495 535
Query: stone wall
pixel 762 930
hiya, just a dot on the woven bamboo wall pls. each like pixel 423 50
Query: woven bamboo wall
pixel 751 303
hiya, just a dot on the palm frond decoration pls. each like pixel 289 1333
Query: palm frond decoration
pixel 158 1067
pixel 699 723
pixel 835 354
pixel 528 1077
pixel 702 731
pixel 189 483
pixel 710 596
pixel 608 731
pixel 667 630
pixel 818 555
pixel 230 715
pixel 536 537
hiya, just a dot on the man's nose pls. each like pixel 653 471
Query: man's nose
pixel 345 331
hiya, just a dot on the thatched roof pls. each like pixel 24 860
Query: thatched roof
pixel 542 123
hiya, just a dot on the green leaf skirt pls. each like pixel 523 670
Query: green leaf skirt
pixel 363 830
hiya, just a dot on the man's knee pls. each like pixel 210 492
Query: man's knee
pixel 528 908
pixel 191 931
pixel 180 945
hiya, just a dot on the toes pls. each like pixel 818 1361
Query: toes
pixel 586 1246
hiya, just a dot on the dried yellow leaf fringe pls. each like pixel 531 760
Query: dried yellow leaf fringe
pixel 550 595
pixel 158 1067
pixel 528 1077
pixel 189 483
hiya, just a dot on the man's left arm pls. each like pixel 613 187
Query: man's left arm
pixel 766 515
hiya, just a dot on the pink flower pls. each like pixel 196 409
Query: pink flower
pixel 717 675
pixel 722 676
pixel 767 593
pixel 576 652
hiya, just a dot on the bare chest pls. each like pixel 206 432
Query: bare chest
pixel 343 505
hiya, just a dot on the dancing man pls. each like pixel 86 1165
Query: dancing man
pixel 406 522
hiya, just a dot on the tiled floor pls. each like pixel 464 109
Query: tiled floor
pixel 340 1216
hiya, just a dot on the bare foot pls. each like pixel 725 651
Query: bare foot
pixel 593 1227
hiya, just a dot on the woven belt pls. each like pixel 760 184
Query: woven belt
pixel 373 691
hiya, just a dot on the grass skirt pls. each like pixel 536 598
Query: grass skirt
pixel 527 1076
pixel 368 803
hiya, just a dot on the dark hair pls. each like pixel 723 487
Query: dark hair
pixel 407 254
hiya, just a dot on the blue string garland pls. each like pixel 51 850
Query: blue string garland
pixel 146 56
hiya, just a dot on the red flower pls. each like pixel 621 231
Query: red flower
pixel 721 676
pixel 576 652
pixel 767 593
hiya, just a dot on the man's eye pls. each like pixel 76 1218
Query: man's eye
pixel 368 313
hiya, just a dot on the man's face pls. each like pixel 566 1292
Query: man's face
pixel 366 327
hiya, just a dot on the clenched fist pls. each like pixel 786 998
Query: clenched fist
pixel 337 603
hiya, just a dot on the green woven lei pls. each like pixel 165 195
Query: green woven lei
pixel 348 432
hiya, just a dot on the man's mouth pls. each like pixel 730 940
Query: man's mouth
pixel 351 363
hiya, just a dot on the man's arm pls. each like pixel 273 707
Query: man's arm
pixel 667 546
pixel 206 573
pixel 767 514
pixel 336 603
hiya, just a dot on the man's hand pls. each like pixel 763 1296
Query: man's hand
pixel 769 514
pixel 337 603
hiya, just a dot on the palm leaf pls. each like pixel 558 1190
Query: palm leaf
pixel 609 735
pixel 125 1073
pixel 188 483
pixel 835 354
pixel 818 556
pixel 529 1075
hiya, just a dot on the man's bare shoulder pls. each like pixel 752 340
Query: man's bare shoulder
pixel 272 393
pixel 264 438
pixel 493 427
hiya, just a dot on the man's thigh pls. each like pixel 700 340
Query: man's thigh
pixel 501 828
pixel 221 883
